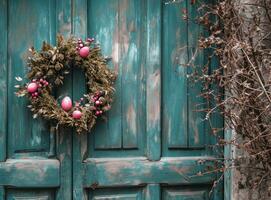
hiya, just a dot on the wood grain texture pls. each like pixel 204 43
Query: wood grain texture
pixel 3 79
pixel 174 81
pixel 184 194
pixel 29 173
pixel 137 171
pixel 116 194
pixel 26 136
pixel 196 123
pixel 152 192
pixel 152 138
pixel 2 193
pixel 79 27
pixel 109 134
pixel 29 194
pixel 64 136
pixel 153 82
pixel 121 34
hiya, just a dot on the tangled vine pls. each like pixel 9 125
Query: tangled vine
pixel 239 35
pixel 48 69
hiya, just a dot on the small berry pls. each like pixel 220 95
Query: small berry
pixel 81 45
pixel 97 113
pixel 97 102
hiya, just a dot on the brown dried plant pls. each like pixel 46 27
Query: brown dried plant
pixel 239 34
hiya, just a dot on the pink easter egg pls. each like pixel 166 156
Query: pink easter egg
pixel 32 87
pixel 84 52
pixel 66 103
pixel 77 114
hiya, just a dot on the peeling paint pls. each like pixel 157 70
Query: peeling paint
pixel 131 118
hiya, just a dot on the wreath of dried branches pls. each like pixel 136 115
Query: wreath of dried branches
pixel 48 68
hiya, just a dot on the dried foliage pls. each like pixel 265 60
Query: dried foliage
pixel 53 64
pixel 239 36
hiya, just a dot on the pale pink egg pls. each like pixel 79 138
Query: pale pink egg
pixel 32 87
pixel 84 52
pixel 66 103
pixel 77 114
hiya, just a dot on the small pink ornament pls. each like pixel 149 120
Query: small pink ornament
pixel 76 114
pixel 84 52
pixel 32 87
pixel 66 103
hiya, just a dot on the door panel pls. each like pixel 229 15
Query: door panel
pixel 26 135
pixel 32 155
pixel 120 194
pixel 184 193
pixel 29 194
pixel 184 129
pixel 123 33
pixel 153 144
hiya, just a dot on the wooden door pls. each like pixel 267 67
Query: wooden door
pixel 153 144
pixel 35 163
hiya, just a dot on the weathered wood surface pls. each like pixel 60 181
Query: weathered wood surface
pixel 3 79
pixel 63 23
pixel 152 140
pixel 25 173
pixel 153 82
pixel 174 84
pixel 137 171
pixel 78 86
pixel 33 160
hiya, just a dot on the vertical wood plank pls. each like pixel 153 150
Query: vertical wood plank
pixel 79 141
pixel 153 82
pixel 175 75
pixel 107 134
pixel 28 19
pixel 2 193
pixel 152 192
pixel 3 79
pixel 131 15
pixel 196 124
pixel 64 136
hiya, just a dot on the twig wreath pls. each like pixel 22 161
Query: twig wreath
pixel 48 68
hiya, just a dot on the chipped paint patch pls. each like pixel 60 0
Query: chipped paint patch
pixel 131 119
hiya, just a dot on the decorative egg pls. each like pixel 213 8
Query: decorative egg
pixel 66 103
pixel 32 87
pixel 77 114
pixel 84 52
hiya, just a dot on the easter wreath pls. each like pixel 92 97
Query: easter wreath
pixel 48 68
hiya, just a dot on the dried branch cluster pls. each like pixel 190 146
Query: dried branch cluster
pixel 239 35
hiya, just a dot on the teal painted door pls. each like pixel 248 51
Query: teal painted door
pixel 152 144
